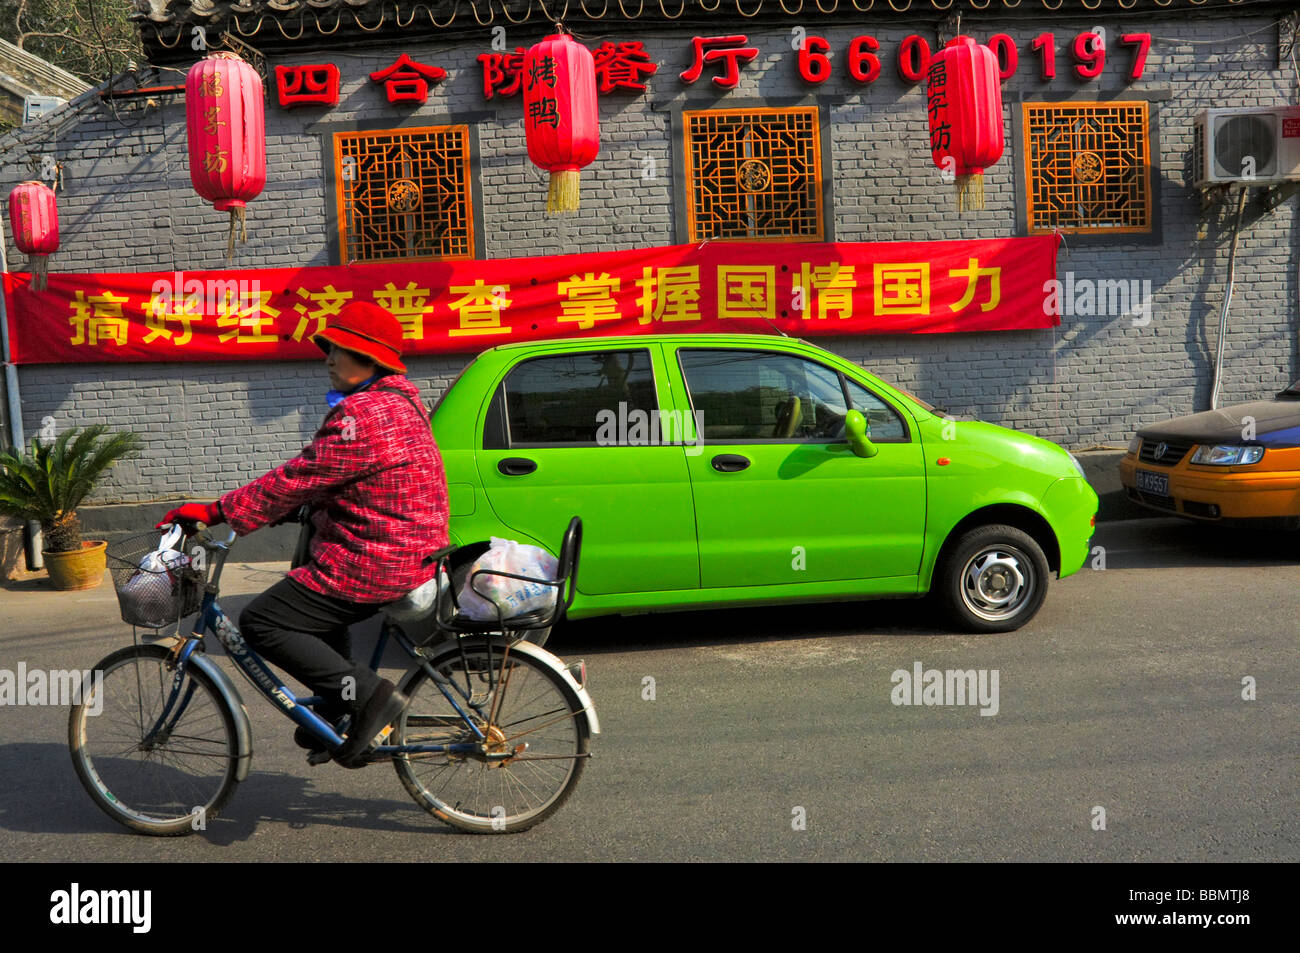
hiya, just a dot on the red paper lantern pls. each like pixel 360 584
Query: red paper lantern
pixel 34 218
pixel 225 119
pixel 964 98
pixel 561 115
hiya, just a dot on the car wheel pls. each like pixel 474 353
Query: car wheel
pixel 994 579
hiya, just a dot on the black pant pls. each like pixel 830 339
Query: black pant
pixel 306 634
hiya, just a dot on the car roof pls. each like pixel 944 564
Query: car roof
pixel 740 338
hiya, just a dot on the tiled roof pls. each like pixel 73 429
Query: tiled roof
pixel 444 12
pixel 281 25
pixel 22 71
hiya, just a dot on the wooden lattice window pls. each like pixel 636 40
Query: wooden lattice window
pixel 753 173
pixel 1087 167
pixel 404 194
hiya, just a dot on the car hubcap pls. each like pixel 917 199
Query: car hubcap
pixel 997 583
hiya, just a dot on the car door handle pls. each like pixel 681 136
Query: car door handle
pixel 729 462
pixel 516 466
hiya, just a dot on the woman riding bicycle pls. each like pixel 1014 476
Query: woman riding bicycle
pixel 374 478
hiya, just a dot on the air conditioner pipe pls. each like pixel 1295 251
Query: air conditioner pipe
pixel 1227 300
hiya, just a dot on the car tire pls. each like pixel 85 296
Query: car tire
pixel 992 579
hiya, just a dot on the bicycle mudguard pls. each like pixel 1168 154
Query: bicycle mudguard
pixel 541 655
pixel 230 695
pixel 557 664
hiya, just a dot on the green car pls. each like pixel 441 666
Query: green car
pixel 743 470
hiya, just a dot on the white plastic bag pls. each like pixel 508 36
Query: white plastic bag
pixel 150 593
pixel 419 602
pixel 514 596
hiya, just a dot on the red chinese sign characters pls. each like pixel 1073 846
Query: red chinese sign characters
pixel 407 81
pixel 620 65
pixel 456 306
pixel 315 84
pixel 730 51
pixel 503 73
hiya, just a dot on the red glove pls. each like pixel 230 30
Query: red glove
pixel 209 513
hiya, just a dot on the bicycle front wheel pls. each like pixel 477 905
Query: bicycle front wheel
pixel 158 761
pixel 534 743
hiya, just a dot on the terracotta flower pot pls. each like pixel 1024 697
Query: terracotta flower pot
pixel 83 569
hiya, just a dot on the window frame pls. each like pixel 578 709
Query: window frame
pixel 326 132
pixel 1153 98
pixel 681 158
pixel 787 441
pixel 499 390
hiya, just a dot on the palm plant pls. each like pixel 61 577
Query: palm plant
pixel 49 483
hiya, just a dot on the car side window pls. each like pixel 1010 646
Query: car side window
pixel 884 423
pixel 563 399
pixel 763 396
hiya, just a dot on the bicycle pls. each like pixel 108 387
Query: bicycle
pixel 494 739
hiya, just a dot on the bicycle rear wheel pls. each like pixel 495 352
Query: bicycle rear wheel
pixel 154 774
pixel 535 747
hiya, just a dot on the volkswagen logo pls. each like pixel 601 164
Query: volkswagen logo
pixel 1159 451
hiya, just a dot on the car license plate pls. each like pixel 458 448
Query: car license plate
pixel 1157 483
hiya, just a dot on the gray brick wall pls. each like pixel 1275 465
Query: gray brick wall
pixel 128 205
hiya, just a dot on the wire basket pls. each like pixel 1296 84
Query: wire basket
pixel 152 598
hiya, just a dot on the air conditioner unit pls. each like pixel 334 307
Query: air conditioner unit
pixel 1247 146
pixel 34 107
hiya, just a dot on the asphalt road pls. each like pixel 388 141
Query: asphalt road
pixel 772 734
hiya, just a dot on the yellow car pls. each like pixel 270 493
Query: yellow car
pixel 1235 463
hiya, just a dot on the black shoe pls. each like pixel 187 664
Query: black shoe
pixel 381 710
pixel 308 740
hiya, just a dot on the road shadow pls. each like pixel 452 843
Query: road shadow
pixel 1127 544
pixel 715 627
pixel 51 800
pixel 1181 544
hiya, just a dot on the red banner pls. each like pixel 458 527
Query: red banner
pixel 459 306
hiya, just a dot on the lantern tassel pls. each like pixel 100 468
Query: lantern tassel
pixel 970 192
pixel 562 194
pixel 236 220
pixel 39 264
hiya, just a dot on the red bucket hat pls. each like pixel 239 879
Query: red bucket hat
pixel 367 329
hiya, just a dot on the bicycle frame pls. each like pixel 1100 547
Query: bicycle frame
pixel 213 619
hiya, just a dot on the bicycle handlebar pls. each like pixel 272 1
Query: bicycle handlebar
pixel 201 536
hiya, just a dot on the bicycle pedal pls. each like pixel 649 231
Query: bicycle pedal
pixel 318 757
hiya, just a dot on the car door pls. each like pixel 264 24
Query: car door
pixel 779 496
pixel 575 432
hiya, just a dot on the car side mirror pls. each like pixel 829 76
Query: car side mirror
pixel 858 434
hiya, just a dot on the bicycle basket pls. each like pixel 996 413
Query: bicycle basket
pixel 153 593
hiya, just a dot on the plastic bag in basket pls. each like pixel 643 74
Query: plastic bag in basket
pixel 150 594
pixel 514 596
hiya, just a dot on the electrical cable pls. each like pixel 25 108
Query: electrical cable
pixel 1227 300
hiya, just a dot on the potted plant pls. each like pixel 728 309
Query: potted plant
pixel 49 484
